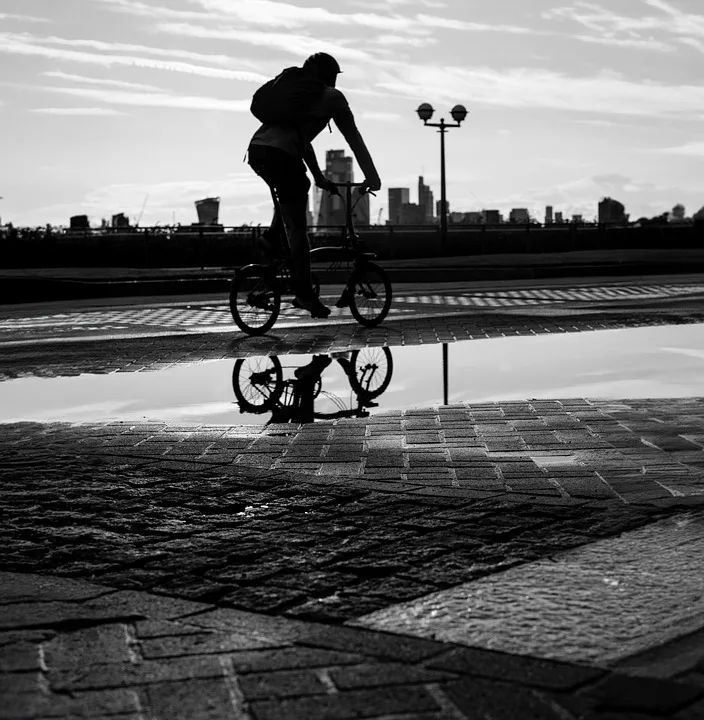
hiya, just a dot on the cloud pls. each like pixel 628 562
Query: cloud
pixel 299 45
pixel 86 111
pixel 641 31
pixel 453 24
pixel 692 149
pixel 23 44
pixel 100 81
pixel 391 117
pixel 122 97
pixel 22 18
pixel 605 93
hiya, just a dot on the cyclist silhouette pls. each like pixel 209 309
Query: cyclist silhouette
pixel 279 154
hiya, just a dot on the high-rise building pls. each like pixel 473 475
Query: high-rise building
pixel 611 211
pixel 438 208
pixel 492 217
pixel 548 214
pixel 397 198
pixel 208 210
pixel 425 201
pixel 558 217
pixel 330 209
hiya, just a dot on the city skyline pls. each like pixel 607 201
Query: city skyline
pixel 142 108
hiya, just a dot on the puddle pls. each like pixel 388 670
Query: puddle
pixel 630 363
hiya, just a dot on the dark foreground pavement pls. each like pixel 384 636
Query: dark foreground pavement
pixel 77 649
pixel 155 570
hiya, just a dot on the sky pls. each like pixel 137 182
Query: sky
pixel 142 106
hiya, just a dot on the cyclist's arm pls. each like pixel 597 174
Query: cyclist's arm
pixel 312 162
pixel 344 119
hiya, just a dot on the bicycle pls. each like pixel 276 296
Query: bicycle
pixel 260 387
pixel 256 290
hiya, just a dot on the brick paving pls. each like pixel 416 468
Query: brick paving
pixel 163 570
pixel 75 649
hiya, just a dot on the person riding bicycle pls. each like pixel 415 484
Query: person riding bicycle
pixel 279 154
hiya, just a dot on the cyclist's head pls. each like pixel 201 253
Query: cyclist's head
pixel 325 66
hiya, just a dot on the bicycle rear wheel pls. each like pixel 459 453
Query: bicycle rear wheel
pixel 254 300
pixel 370 294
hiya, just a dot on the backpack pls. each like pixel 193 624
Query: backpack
pixel 287 98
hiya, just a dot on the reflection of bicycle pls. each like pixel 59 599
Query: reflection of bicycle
pixel 256 290
pixel 260 387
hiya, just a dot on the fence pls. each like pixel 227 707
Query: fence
pixel 209 246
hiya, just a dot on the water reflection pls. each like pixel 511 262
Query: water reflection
pixel 261 385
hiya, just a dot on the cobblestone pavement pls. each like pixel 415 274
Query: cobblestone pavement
pixel 76 649
pixel 222 561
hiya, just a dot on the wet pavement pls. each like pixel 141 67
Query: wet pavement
pixel 506 559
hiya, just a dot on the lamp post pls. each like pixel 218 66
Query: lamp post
pixel 459 113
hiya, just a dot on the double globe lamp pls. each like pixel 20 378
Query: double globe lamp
pixel 459 113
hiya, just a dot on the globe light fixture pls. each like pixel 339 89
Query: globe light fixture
pixel 459 113
pixel 425 111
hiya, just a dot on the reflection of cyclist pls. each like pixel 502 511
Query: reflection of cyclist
pixel 279 155
pixel 301 409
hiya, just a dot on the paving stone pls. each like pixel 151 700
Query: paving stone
pixel 547 674
pixel 190 700
pixel 129 675
pixel 648 695
pixel 281 684
pixel 347 705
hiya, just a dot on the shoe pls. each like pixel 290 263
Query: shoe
pixel 313 306
pixel 313 370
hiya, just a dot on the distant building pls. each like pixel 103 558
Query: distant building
pixel 120 221
pixel 330 209
pixel 425 201
pixel 438 208
pixel 548 214
pixel 492 217
pixel 79 222
pixel 678 213
pixel 397 197
pixel 466 218
pixel 412 214
pixel 519 215
pixel 208 210
pixel 577 219
pixel 558 217
pixel 611 212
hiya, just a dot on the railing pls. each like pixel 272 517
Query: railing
pixel 228 246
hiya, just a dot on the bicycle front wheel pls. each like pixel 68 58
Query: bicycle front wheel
pixel 373 368
pixel 254 300
pixel 257 383
pixel 370 296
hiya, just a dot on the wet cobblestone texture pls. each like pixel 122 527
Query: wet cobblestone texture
pixel 73 649
pixel 256 544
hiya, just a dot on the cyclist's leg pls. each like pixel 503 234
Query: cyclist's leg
pixel 292 192
pixel 264 163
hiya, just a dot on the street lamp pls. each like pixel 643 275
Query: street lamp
pixel 459 113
